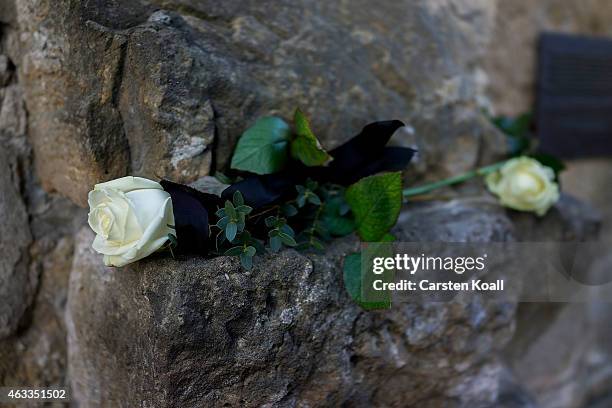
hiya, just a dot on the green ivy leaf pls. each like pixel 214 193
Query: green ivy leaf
pixel 314 199
pixel 222 223
pixel 230 211
pixel 237 199
pixel 376 202
pixel 244 209
pixel 262 149
pixel 287 239
pixel 246 260
pixel 230 231
pixel 235 251
pixel 288 210
pixel 305 147
pixel 275 243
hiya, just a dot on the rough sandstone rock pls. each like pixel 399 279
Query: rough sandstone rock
pixel 17 284
pixel 37 229
pixel 196 332
pixel 144 87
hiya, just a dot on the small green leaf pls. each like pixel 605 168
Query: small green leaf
pixel 231 230
pixel 237 198
pixel 376 202
pixel 275 243
pixel 220 212
pixel 315 243
pixel 314 199
pixel 262 149
pixel 305 146
pixel 234 251
pixel 301 200
pixel 223 178
pixel 287 239
pixel 288 210
pixel 230 211
pixel 222 223
pixel 245 209
pixel 250 251
pixel 270 221
pixel 287 230
pixel 246 261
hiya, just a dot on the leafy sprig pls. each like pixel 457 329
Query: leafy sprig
pixel 280 233
pixel 317 212
pixel 232 217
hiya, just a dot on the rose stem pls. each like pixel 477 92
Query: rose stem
pixel 426 188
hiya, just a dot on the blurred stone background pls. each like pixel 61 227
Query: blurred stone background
pixel 95 90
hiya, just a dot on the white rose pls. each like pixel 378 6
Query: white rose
pixel 130 217
pixel 524 184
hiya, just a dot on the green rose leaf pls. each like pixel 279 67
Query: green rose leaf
pixel 376 202
pixel 262 149
pixel 305 147
pixel 353 282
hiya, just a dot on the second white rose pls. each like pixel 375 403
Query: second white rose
pixel 524 184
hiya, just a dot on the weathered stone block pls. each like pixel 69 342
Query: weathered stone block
pixel 195 332
pixel 144 87
pixel 17 282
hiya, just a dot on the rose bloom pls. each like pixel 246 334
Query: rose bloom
pixel 131 218
pixel 524 184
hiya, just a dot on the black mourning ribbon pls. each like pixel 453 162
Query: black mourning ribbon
pixel 192 210
pixel 363 155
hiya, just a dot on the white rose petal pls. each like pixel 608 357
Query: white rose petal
pixel 524 184
pixel 131 218
pixel 129 183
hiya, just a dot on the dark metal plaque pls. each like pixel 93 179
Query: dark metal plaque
pixel 574 95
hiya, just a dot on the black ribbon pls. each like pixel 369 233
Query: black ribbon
pixel 363 155
pixel 192 209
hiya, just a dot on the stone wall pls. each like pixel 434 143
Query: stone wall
pixel 90 91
